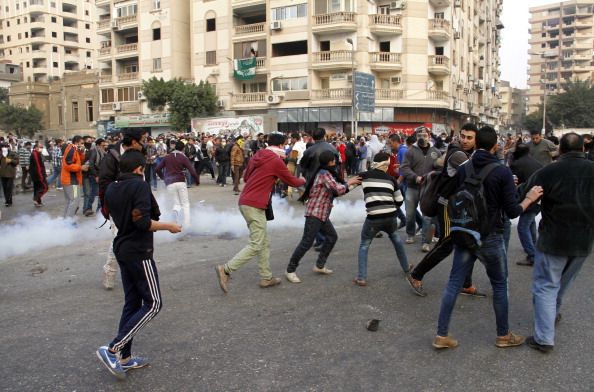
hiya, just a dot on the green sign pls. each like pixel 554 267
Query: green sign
pixel 143 120
pixel 244 69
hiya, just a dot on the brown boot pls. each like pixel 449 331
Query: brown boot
pixel 509 340
pixel 223 277
pixel 445 342
pixel 269 282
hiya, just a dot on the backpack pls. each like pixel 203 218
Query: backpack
pixel 429 194
pixel 467 208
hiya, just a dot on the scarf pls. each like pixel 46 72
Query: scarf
pixel 383 166
pixel 278 151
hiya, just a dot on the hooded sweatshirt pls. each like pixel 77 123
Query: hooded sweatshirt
pixel 170 169
pixel 418 163
pixel 264 168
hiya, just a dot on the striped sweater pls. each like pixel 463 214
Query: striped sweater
pixel 381 193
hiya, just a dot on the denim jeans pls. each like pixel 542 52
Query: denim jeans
pixel 223 170
pixel 527 232
pixel 150 174
pixel 551 278
pixel 92 192
pixel 492 255
pixel 311 228
pixel 56 173
pixel 368 231
pixel 412 201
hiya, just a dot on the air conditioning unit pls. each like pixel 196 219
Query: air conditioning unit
pixel 350 78
pixel 221 103
pixel 398 5
pixel 457 105
pixel 395 79
pixel 214 72
pixel 466 90
pixel 276 25
pixel 115 24
pixel 480 85
pixel 273 99
pixel 140 96
pixel 458 3
pixel 457 35
pixel 116 106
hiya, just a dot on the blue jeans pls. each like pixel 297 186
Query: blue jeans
pixel 223 170
pixel 527 232
pixel 150 174
pixel 492 255
pixel 412 201
pixel 551 277
pixel 92 192
pixel 368 231
pixel 55 177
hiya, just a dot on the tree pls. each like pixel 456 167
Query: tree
pixel 3 95
pixel 185 100
pixel 23 121
pixel 574 107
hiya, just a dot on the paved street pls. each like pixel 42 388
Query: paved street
pixel 54 314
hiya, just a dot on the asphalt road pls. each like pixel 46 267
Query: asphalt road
pixel 54 314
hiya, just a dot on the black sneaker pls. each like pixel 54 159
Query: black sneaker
pixel 543 348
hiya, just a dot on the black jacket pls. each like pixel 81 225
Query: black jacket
pixel 129 204
pixel 524 168
pixel 310 162
pixel 109 168
pixel 567 206
pixel 500 190
pixel 223 154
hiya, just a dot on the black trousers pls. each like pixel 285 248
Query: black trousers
pixel 142 302
pixel 205 163
pixel 312 227
pixel 442 249
pixel 7 188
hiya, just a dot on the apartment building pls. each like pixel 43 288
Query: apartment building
pixel 48 37
pixel 513 107
pixel 139 39
pixel 561 47
pixel 9 74
pixel 435 62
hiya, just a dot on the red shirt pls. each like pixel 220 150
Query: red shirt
pixel 342 150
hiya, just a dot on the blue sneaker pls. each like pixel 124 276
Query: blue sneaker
pixel 135 363
pixel 111 362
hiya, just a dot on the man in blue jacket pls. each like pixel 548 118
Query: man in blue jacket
pixel 500 195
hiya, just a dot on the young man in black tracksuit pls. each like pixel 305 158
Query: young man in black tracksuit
pixel 135 214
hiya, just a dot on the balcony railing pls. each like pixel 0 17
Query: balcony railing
pixel 105 51
pixel 335 17
pixel 437 95
pixel 249 98
pixel 388 94
pixel 438 60
pixel 103 24
pixel 250 28
pixel 127 76
pixel 332 55
pixel 385 20
pixel 260 62
pixel 331 94
pixel 126 48
pixel 105 78
pixel 439 24
pixel 385 57
pixel 127 19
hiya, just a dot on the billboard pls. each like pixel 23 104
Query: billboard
pixel 244 125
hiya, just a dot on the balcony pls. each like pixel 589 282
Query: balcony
pixel 437 95
pixel 585 56
pixel 127 22
pixel 127 50
pixel 332 59
pixel 383 25
pixel 39 54
pixel 105 52
pixel 247 3
pixel 104 25
pixel 385 61
pixel 439 30
pixel 261 64
pixel 108 78
pixel 440 3
pixel 387 94
pixel 337 22
pixel 439 65
pixel 126 77
pixel 249 100
pixel 332 96
pixel 101 2
pixel 248 30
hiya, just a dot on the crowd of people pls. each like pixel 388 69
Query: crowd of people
pixel 459 193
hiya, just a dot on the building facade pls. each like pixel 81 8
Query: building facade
pixel 9 74
pixel 435 62
pixel 70 105
pixel 48 38
pixel 513 107
pixel 561 47
pixel 140 39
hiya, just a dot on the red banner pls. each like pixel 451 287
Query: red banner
pixel 390 128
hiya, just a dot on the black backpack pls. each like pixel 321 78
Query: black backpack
pixel 467 208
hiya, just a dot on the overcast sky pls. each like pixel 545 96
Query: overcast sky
pixel 514 44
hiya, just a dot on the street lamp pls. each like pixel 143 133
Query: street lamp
pixel 353 115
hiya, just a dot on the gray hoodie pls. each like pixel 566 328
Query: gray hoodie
pixel 416 163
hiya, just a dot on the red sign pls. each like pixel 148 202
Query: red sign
pixel 390 128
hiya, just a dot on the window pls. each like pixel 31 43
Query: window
pixel 18 21
pixel 55 49
pixel 289 12
pixel 90 114
pixel 211 24
pixel 26 19
pixel 439 15
pixel 107 95
pixel 75 111
pixel 53 4
pixel 88 40
pixel 26 34
pixel 55 64
pixel 157 34
pixel 17 6
pixel 157 64
pixel 54 19
pixel 131 68
pixel 289 84
pixel 87 26
pixel 7 23
pixel 156 4
pixel 128 93
pixel 19 35
pixel 127 10
pixel 88 53
pixel 54 34
pixel 211 57
pixel 28 65
pixel 60 115
pixel 289 48
pixel 8 38
pixel 86 12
